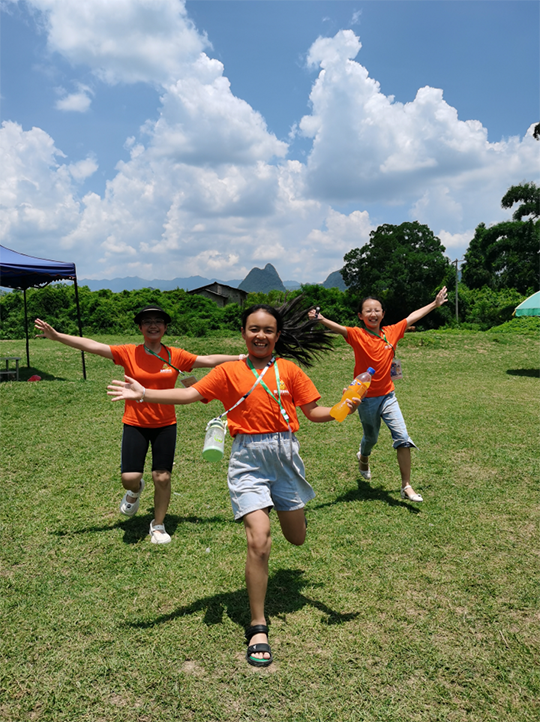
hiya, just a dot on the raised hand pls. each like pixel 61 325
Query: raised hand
pixel 47 331
pixel 441 297
pixel 128 390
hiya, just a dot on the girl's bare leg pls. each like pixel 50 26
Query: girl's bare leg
pixel 259 542
pixel 364 462
pixel 293 526
pixel 162 494
pixel 131 481
pixel 404 461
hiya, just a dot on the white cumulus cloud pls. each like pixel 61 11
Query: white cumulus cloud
pixel 209 190
pixel 123 40
pixel 37 199
pixel 369 148
pixel 78 102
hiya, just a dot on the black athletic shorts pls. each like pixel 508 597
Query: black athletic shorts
pixel 135 440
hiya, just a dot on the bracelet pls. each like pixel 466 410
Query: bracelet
pixel 139 401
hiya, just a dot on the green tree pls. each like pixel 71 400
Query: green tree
pixel 528 196
pixel 404 265
pixel 506 255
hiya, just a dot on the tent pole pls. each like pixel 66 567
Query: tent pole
pixel 26 330
pixel 80 325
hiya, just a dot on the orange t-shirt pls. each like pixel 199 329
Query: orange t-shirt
pixel 259 413
pixel 152 373
pixel 372 351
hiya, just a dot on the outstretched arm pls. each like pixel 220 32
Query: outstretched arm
pixel 209 362
pixel 131 390
pixel 440 298
pixel 332 325
pixel 320 414
pixel 79 342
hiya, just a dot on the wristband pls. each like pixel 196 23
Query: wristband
pixel 139 401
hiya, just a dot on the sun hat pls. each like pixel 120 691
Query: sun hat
pixel 152 309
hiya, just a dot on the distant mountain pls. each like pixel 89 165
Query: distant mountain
pixel 292 285
pixel 335 280
pixel 258 279
pixel 133 283
pixel 263 280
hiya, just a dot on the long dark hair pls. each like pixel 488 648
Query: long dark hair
pixel 301 339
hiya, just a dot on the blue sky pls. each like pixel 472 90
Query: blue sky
pixel 159 138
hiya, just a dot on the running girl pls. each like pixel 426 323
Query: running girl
pixel 157 367
pixel 375 346
pixel 265 468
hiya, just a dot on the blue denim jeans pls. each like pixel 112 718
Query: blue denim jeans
pixel 371 411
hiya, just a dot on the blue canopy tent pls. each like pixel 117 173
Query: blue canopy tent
pixel 21 272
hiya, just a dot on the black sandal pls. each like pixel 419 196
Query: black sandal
pixel 254 648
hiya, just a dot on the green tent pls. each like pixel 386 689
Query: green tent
pixel 530 306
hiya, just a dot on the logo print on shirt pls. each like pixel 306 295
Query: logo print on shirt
pixel 282 388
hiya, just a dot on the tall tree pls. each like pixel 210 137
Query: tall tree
pixel 528 196
pixel 404 265
pixel 506 255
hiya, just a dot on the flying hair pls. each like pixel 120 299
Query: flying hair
pixel 301 339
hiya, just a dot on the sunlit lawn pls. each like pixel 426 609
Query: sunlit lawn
pixel 390 612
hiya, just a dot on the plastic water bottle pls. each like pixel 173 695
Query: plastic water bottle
pixel 214 441
pixel 358 388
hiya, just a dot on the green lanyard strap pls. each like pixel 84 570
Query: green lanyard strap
pixel 149 350
pixel 383 338
pixel 244 397
pixel 265 387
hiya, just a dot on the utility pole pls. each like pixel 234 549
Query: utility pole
pixel 457 262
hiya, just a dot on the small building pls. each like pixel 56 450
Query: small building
pixel 221 294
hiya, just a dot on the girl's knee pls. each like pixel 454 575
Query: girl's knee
pixel 131 479
pixel 259 545
pixel 297 539
pixel 161 477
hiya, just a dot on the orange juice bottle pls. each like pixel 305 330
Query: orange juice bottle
pixel 358 388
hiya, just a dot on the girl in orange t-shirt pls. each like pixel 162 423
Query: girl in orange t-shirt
pixel 156 366
pixel 375 346
pixel 265 468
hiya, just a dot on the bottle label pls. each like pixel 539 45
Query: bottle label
pixel 395 370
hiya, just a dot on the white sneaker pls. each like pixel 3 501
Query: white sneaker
pixel 158 534
pixel 130 508
pixel 366 473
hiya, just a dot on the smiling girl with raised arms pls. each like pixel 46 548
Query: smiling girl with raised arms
pixel 375 345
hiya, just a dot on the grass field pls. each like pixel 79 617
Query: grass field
pixel 390 612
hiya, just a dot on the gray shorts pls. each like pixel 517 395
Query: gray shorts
pixel 261 474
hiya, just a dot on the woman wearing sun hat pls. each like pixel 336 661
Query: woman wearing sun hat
pixel 156 366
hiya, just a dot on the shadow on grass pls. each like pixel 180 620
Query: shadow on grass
pixel 26 373
pixel 284 596
pixel 137 528
pixel 533 373
pixel 368 492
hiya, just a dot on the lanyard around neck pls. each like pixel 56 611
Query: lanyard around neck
pixel 383 338
pixel 149 350
pixel 257 382
pixel 265 387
